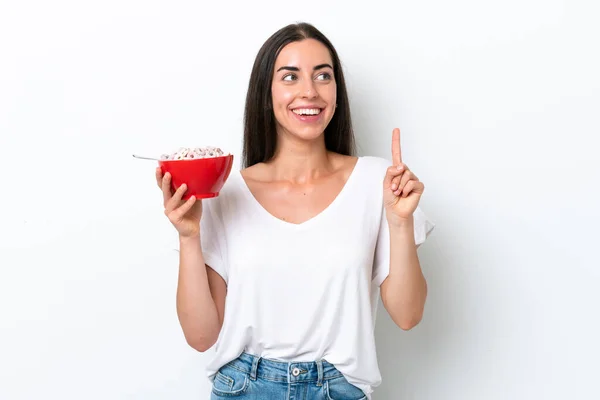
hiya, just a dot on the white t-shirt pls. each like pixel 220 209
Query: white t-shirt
pixel 303 292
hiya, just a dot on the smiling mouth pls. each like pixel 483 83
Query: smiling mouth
pixel 307 111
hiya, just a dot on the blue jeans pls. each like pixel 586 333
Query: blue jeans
pixel 253 378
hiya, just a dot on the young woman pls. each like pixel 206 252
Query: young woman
pixel 283 270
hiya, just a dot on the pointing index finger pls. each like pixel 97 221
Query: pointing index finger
pixel 396 148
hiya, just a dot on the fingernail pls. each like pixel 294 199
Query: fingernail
pixel 399 167
pixel 394 186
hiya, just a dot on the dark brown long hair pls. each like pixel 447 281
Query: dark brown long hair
pixel 260 133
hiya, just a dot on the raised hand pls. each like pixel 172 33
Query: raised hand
pixel 402 189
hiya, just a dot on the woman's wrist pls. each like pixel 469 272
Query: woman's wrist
pixel 395 222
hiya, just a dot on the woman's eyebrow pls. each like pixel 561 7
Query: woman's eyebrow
pixel 320 66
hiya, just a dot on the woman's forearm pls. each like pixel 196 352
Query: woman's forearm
pixel 196 308
pixel 405 290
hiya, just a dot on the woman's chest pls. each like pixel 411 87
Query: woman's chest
pixel 302 255
pixel 297 203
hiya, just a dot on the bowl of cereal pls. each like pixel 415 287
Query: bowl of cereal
pixel 204 170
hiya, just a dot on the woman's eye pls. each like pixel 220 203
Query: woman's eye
pixel 289 77
pixel 325 76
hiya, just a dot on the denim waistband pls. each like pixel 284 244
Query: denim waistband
pixel 282 371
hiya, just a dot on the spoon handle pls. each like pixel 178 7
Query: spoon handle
pixel 145 158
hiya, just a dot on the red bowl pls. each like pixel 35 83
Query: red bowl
pixel 204 177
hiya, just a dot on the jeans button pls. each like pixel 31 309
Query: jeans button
pixel 295 372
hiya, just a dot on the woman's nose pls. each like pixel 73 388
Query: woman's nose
pixel 308 90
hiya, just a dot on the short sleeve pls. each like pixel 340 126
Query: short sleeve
pixel 381 264
pixel 212 236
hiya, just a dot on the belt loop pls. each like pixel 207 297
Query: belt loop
pixel 319 373
pixel 254 368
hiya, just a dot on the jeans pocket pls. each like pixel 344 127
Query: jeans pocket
pixel 341 389
pixel 230 382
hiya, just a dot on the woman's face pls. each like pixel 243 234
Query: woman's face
pixel 303 89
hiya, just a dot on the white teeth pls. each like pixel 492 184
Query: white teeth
pixel 307 111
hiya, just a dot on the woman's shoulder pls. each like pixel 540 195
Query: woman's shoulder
pixel 367 163
pixel 375 165
pixel 257 172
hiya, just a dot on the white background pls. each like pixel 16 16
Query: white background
pixel 498 103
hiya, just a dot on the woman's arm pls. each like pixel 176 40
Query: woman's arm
pixel 404 291
pixel 200 296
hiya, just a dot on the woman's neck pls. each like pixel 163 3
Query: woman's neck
pixel 300 161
